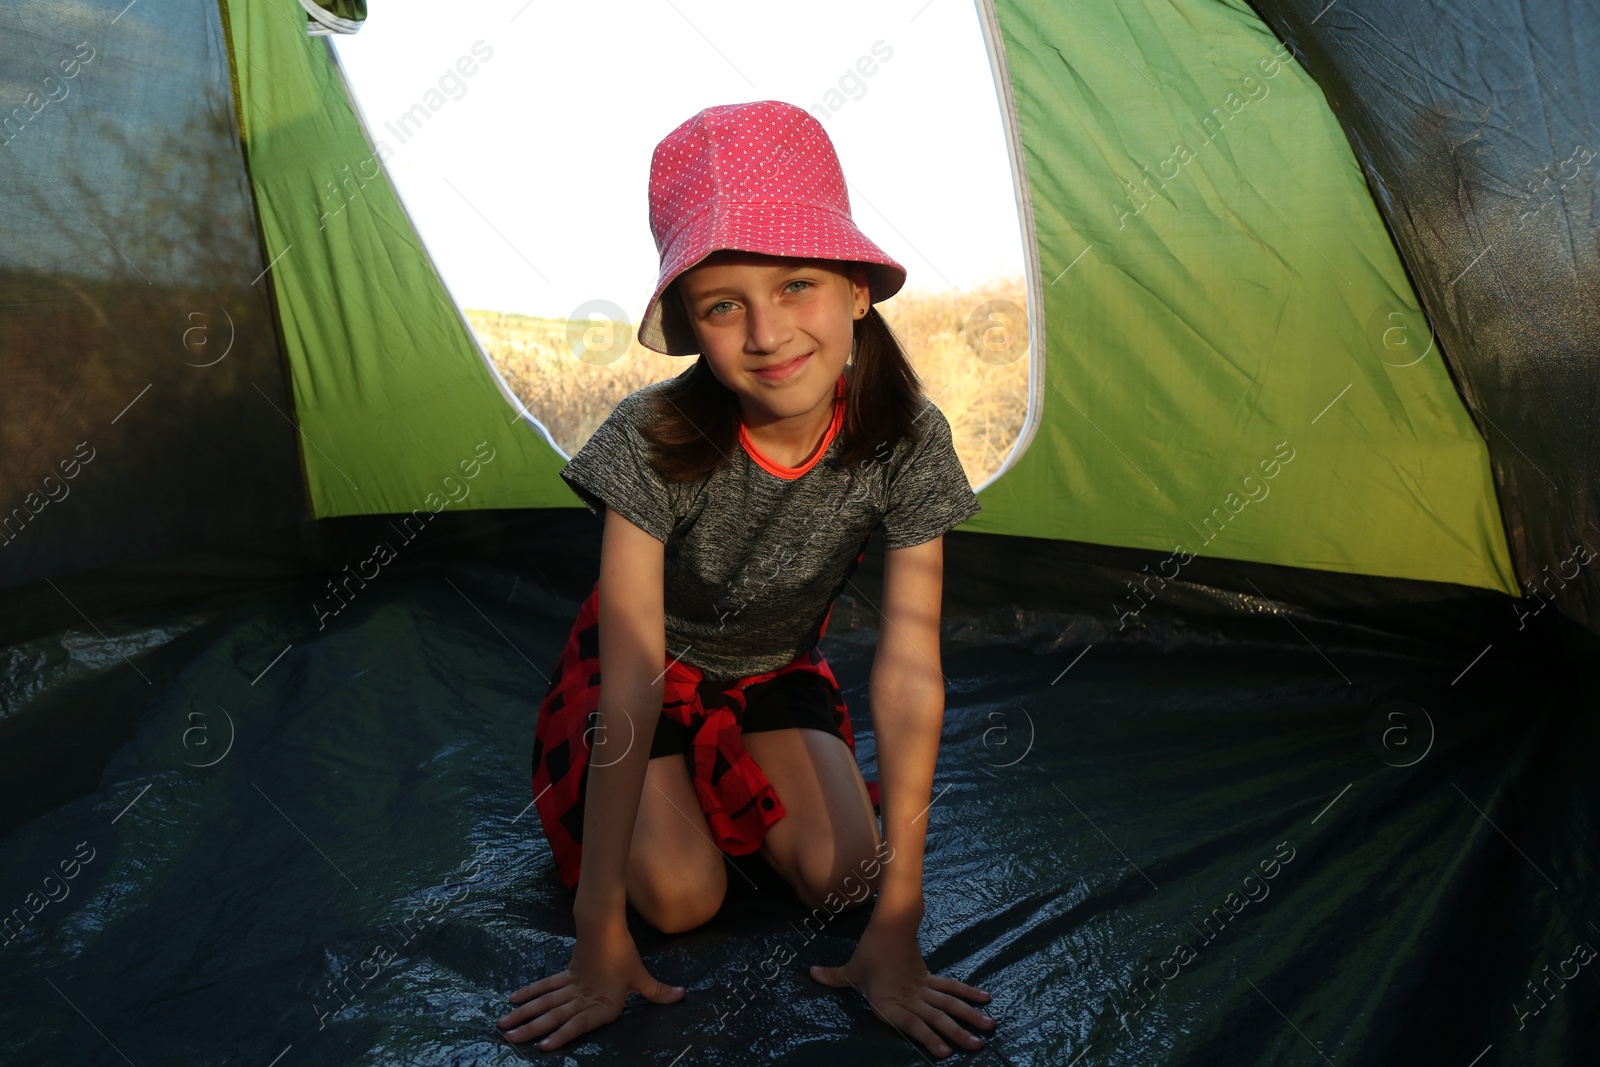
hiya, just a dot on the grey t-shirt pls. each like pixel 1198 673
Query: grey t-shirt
pixel 753 561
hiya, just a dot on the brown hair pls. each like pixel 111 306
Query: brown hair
pixel 694 427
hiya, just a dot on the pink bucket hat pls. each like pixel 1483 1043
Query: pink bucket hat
pixel 758 177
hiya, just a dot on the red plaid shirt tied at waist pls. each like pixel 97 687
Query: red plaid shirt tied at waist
pixel 738 800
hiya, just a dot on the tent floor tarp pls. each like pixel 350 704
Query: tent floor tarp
pixel 1247 837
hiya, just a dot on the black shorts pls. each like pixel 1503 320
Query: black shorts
pixel 791 700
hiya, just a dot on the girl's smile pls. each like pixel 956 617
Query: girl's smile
pixel 777 372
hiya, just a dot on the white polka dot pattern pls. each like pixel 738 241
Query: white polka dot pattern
pixel 759 177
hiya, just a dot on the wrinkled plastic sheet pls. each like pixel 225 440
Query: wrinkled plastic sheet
pixel 1374 842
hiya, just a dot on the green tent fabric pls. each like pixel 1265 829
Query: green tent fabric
pixel 391 391
pixel 1214 281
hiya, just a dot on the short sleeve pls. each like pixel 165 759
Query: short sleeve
pixel 928 493
pixel 612 469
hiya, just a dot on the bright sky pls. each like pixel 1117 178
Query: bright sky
pixel 529 181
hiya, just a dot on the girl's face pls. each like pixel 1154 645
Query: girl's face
pixel 777 331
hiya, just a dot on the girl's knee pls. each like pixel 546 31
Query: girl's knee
pixel 674 897
pixel 834 885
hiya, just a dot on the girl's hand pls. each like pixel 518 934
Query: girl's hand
pixel 604 969
pixel 888 969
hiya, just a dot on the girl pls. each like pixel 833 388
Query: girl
pixel 738 499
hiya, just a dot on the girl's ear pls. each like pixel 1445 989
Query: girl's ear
pixel 861 290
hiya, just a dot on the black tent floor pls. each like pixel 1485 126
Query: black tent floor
pixel 1278 840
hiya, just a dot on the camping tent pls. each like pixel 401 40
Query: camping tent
pixel 1290 564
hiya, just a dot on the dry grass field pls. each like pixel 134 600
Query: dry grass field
pixel 972 361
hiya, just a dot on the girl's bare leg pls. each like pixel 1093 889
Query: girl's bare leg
pixel 827 840
pixel 676 874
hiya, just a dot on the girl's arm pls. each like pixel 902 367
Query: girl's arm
pixel 907 694
pixel 907 698
pixel 632 650
pixel 605 965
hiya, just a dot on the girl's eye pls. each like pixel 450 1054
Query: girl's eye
pixel 797 281
pixel 720 307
